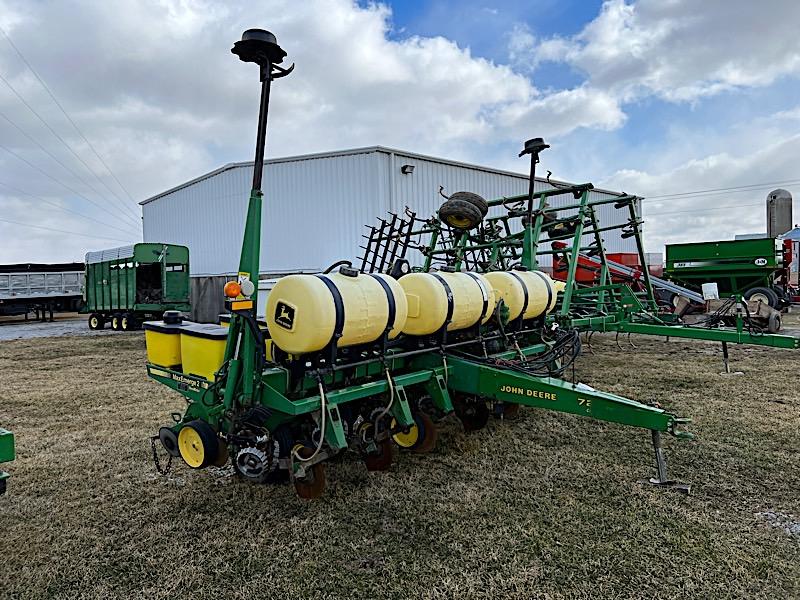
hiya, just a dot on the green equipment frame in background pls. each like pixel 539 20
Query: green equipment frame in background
pixel 736 266
pixel 7 454
pixel 501 242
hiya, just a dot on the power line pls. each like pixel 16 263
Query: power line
pixel 56 134
pixel 64 112
pixel 715 191
pixel 97 237
pixel 46 174
pixel 64 208
pixel 694 210
pixel 50 154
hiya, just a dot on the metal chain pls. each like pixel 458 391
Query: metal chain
pixel 162 471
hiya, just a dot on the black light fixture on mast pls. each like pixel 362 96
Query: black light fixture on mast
pixel 533 147
pixel 261 47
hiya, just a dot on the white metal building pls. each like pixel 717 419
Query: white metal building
pixel 316 206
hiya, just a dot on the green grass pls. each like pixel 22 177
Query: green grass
pixel 546 506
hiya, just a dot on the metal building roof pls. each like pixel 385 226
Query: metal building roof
pixel 352 151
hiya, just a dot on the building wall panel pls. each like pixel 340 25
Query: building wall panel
pixel 316 208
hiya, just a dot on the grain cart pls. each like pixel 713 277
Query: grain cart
pixel 745 267
pixel 7 454
pixel 126 285
pixel 366 361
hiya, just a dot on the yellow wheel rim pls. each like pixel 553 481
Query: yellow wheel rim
pixel 458 221
pixel 191 446
pixel 124 324
pixel 406 440
pixel 93 322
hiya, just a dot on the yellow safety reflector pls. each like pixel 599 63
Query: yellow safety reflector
pixel 242 305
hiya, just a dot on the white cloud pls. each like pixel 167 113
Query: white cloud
pixel 154 87
pixel 681 49
pixel 716 215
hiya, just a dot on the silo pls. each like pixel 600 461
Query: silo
pixel 779 212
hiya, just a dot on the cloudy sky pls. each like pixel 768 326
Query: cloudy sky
pixel 103 104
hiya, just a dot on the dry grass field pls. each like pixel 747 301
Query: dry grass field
pixel 546 506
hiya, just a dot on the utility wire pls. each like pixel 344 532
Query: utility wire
pixel 694 210
pixel 97 237
pixel 46 174
pixel 61 139
pixel 716 191
pixel 66 115
pixel 64 208
pixel 50 154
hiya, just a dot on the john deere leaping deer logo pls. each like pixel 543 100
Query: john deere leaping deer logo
pixel 284 315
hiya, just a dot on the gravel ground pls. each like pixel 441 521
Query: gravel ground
pixel 545 506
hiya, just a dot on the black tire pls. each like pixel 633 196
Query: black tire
pixel 784 297
pixel 460 214
pixel 2 486
pixel 474 199
pixel 169 439
pixel 96 321
pixel 774 322
pixel 563 229
pixel 208 438
pixel 128 322
pixel 764 294
pixel 116 321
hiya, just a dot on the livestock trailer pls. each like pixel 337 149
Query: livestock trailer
pixel 28 287
pixel 126 285
pixel 747 267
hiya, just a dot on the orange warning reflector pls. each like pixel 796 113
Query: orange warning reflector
pixel 242 305
pixel 232 289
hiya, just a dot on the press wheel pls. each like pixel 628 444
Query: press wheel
pixel 313 484
pixel 471 411
pixel 380 460
pixel 429 434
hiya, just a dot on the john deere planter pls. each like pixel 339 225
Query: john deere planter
pixel 366 359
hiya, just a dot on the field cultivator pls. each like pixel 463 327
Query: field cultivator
pixel 368 359
pixel 599 295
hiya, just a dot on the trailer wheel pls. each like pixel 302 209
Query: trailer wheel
pixel 774 322
pixel 765 295
pixel 115 322
pixel 128 322
pixel 96 321
pixel 460 214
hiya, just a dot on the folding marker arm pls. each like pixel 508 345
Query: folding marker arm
pixel 555 394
